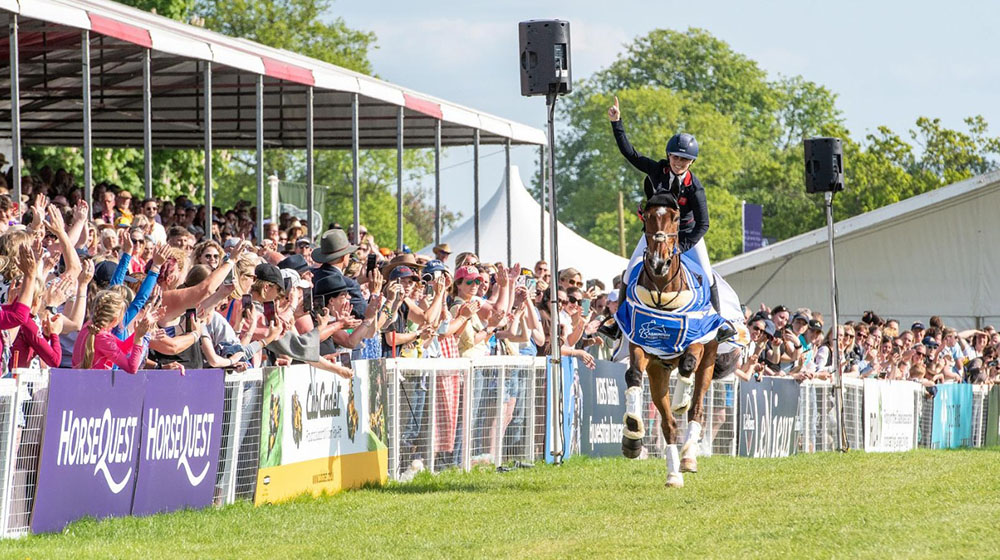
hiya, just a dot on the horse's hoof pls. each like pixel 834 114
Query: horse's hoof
pixel 675 480
pixel 631 448
pixel 689 464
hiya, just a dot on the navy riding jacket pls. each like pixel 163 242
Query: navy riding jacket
pixel 691 198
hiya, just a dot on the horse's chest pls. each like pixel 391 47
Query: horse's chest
pixel 667 301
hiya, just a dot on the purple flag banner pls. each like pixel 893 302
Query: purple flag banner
pixel 88 463
pixel 179 447
pixel 753 227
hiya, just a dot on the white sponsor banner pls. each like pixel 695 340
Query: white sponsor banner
pixel 323 415
pixel 890 420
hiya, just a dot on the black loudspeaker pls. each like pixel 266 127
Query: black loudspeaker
pixel 824 165
pixel 545 65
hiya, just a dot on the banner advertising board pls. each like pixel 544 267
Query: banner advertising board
pixel 181 434
pixel 993 417
pixel 603 407
pixel 890 416
pixel 952 423
pixel 767 417
pixel 315 435
pixel 90 444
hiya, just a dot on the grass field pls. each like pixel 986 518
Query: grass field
pixel 919 504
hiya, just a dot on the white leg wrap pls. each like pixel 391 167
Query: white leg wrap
pixel 633 410
pixel 690 448
pixel 674 477
pixel 680 401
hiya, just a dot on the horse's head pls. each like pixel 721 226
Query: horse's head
pixel 660 217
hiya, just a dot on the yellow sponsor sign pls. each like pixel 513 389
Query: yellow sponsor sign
pixel 316 476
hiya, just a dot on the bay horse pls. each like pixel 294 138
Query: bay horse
pixel 662 284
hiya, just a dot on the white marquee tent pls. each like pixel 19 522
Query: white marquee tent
pixel 574 251
pixel 932 254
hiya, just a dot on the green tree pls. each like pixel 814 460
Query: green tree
pixel 749 127
pixel 593 170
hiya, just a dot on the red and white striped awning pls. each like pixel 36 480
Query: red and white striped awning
pixel 51 87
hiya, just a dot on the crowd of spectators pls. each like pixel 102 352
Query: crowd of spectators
pixel 119 282
pixel 148 287
pixel 793 343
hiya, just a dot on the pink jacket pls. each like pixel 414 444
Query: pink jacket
pixel 109 351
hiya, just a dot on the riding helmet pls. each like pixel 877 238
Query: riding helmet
pixel 683 145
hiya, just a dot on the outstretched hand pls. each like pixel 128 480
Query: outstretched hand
pixel 614 113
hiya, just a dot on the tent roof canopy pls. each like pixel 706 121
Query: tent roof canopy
pixel 911 207
pixel 50 40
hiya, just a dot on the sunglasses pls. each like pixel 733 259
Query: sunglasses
pixel 577 283
pixel 563 301
pixel 140 241
pixel 477 282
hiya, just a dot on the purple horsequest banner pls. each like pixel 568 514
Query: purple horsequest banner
pixel 88 463
pixel 179 447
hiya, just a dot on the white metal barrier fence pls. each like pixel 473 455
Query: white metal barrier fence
pixel 446 413
pixel 461 413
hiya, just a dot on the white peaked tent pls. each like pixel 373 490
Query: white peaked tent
pixel 574 251
pixel 931 254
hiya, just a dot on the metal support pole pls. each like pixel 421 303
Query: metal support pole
pixel 399 180
pixel 556 403
pixel 15 115
pixel 396 381
pixel 510 240
pixel 838 378
pixel 259 110
pixel 437 183
pixel 499 428
pixel 356 177
pixel 432 430
pixel 310 166
pixel 530 411
pixel 467 420
pixel 475 186
pixel 542 194
pixel 147 124
pixel 88 141
pixel 207 116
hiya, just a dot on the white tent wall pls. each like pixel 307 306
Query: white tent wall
pixel 574 251
pixel 937 258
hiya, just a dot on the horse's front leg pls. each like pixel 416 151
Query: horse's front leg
pixel 659 388
pixel 634 430
pixel 696 414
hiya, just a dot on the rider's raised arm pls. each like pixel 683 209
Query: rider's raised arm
pixel 639 161
pixel 699 210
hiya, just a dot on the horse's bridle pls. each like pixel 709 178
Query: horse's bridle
pixel 661 237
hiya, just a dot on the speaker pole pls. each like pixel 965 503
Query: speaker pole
pixel 838 377
pixel 555 349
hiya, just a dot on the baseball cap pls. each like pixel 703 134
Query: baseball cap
pixel 815 325
pixel 432 266
pixel 466 272
pixel 613 296
pixel 292 279
pixel 401 272
pixel 294 262
pixel 918 326
pixel 269 273
pixel 769 327
pixel 105 271
pixel 929 342
pixel 800 317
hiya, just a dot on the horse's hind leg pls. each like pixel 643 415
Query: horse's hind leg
pixel 634 431
pixel 696 414
pixel 659 387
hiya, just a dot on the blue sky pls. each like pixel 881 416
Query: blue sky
pixel 888 62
